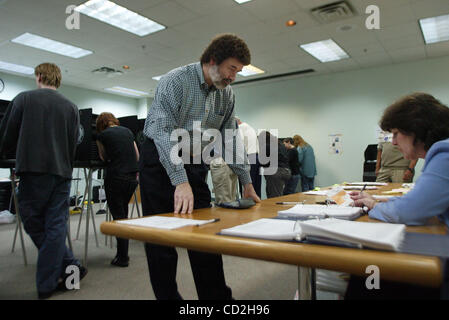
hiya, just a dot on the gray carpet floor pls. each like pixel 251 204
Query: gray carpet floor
pixel 249 279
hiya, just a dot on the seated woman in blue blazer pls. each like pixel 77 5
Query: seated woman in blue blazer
pixel 420 127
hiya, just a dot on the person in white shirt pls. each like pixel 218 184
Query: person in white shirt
pixel 249 137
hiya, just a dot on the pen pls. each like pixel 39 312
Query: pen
pixel 364 187
pixel 212 221
pixel 289 203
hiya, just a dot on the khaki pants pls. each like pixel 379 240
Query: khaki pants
pixel 224 181
pixel 391 174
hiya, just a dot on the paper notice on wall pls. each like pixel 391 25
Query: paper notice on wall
pixel 383 136
pixel 335 144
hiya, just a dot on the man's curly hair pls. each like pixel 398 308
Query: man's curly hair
pixel 226 46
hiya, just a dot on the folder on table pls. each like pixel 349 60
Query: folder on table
pixel 321 211
pixel 385 236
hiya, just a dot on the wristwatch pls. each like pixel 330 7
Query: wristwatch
pixel 411 170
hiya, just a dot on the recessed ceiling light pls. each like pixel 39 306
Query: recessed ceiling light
pixel 126 91
pixel 435 29
pixel 250 70
pixel 125 67
pixel 12 67
pixel 290 23
pixel 38 42
pixel 120 17
pixel 325 51
pixel 242 1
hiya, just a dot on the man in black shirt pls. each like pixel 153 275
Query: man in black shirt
pixel 274 150
pixel 43 127
pixel 293 161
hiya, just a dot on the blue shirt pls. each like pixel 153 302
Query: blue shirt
pixel 182 97
pixel 428 198
pixel 306 158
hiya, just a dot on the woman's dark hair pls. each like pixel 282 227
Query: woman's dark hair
pixel 105 120
pixel 289 140
pixel 226 46
pixel 418 114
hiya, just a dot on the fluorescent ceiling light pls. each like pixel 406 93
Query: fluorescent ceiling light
pixel 325 51
pixel 120 17
pixel 16 68
pixel 129 92
pixel 250 70
pixel 435 29
pixel 242 1
pixel 38 42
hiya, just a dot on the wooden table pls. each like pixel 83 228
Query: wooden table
pixel 415 269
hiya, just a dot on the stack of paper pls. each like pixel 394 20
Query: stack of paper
pixel 359 187
pixel 386 236
pixel 399 190
pixel 321 211
pixel 164 222
pixel 271 229
pixel 382 198
pixel 317 192
pixel 368 183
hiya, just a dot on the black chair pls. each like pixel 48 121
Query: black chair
pixel 369 166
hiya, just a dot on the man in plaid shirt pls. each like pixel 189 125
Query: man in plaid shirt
pixel 192 98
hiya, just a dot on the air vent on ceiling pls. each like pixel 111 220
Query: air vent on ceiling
pixel 332 12
pixel 109 72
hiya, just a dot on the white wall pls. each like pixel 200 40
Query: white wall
pixel 99 102
pixel 349 103
pixel 143 106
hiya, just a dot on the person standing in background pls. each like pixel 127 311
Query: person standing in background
pixel 43 126
pixel 249 138
pixel 224 181
pixel 293 160
pixel 306 158
pixel 275 182
pixel 117 148
pixel 391 166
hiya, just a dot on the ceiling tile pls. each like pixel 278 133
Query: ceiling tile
pixel 191 24
pixel 407 54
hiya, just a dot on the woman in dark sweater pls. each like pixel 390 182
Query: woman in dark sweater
pixel 117 148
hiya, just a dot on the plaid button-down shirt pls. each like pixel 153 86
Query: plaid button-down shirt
pixel 182 97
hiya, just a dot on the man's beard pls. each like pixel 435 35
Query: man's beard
pixel 217 79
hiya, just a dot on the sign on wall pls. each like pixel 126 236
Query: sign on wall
pixel 335 144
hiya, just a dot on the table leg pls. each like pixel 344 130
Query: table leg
pixel 306 283
pixel 88 213
pixel 19 221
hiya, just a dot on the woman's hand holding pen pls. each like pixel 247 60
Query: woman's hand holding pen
pixel 363 199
